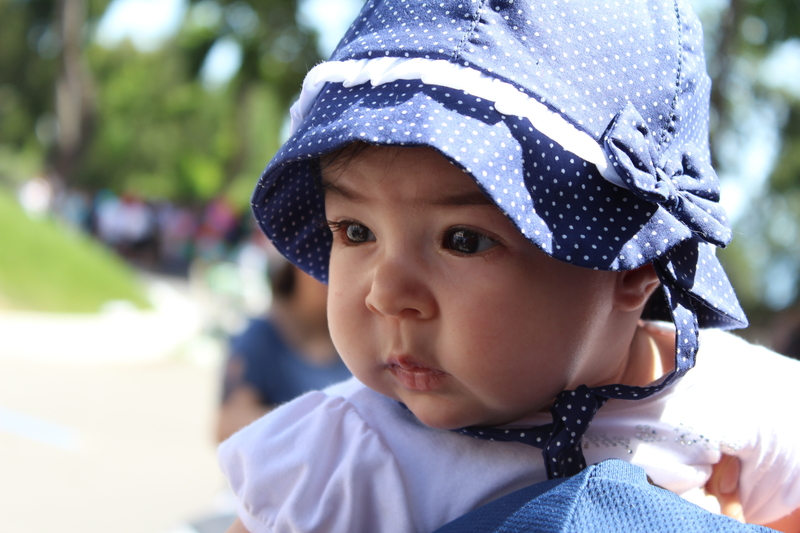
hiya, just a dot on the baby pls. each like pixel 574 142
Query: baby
pixel 494 191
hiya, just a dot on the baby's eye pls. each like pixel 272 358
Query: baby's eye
pixel 354 232
pixel 358 232
pixel 467 241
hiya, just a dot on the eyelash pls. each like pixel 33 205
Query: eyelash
pixel 335 226
pixel 341 226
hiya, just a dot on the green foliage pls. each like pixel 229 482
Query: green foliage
pixel 153 128
pixel 786 176
pixel 145 124
pixel 764 259
pixel 27 72
pixel 45 267
pixel 159 133
pixel 16 165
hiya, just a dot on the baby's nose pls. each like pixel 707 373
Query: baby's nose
pixel 400 288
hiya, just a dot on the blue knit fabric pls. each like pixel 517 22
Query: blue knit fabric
pixel 607 497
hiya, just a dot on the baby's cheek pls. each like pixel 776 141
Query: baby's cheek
pixel 349 328
pixel 335 310
pixel 340 332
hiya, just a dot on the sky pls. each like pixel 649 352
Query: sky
pixel 147 23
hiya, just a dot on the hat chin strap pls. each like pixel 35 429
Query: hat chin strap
pixel 573 410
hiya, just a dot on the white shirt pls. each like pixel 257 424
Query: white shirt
pixel 350 459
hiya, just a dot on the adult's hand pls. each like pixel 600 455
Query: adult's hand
pixel 724 485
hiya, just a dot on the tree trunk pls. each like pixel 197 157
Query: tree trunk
pixel 75 107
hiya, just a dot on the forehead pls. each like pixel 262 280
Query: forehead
pixel 411 173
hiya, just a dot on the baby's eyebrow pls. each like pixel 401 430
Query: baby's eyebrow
pixel 329 187
pixel 466 198
pixel 445 199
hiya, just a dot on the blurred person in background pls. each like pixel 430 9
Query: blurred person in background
pixel 176 229
pixel 281 355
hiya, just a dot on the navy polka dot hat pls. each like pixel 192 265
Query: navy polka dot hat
pixel 585 122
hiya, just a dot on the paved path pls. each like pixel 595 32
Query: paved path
pixel 107 428
pixel 120 333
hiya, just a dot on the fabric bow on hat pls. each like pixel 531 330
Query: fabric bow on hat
pixel 682 182
pixel 502 73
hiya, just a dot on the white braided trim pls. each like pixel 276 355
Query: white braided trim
pixel 507 99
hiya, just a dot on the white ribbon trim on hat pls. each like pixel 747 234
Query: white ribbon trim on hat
pixel 507 99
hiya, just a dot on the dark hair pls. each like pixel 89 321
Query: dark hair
pixel 282 280
pixel 338 159
pixel 656 307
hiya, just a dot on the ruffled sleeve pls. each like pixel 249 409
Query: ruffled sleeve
pixel 355 483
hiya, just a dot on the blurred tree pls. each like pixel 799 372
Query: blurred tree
pixel 165 130
pixel 752 44
pixel 46 104
pixel 159 133
pixel 75 106
pixel 149 123
pixel 276 52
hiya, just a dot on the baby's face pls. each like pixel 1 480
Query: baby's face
pixel 436 300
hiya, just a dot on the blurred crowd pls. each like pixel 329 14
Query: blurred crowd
pixel 215 245
pixel 158 235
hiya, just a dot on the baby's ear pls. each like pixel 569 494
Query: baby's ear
pixel 634 287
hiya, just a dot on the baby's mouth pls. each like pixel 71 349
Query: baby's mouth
pixel 413 375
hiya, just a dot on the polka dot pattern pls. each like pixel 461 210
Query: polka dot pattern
pixel 560 441
pixel 583 59
pixel 630 74
pixel 681 182
pixel 560 202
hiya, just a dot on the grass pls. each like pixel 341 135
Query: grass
pixel 45 266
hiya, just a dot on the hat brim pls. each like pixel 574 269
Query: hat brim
pixel 560 202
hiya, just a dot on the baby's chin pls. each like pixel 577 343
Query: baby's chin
pixel 450 417
pixel 448 410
